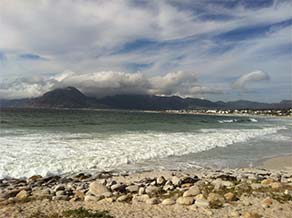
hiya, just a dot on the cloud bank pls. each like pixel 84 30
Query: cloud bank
pixel 107 83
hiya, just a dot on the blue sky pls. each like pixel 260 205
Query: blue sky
pixel 214 49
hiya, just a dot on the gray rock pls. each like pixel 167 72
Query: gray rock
pixel 132 188
pixel 98 189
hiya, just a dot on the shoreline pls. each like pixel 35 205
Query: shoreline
pixel 262 191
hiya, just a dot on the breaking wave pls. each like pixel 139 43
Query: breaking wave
pixel 46 153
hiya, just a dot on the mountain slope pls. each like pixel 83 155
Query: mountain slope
pixel 71 97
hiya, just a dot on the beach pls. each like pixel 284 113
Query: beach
pixel 201 192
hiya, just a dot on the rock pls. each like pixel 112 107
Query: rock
pixel 133 188
pixel 152 190
pixel 34 178
pixel 200 196
pixel 118 187
pixel 59 187
pixel 235 214
pixel 92 198
pixel 267 202
pixel 140 198
pixel 60 193
pixel 188 179
pixel 267 181
pixel 124 198
pixel 61 197
pixel 193 191
pixel 202 203
pixel 256 186
pixel 251 215
pixel 168 201
pixel 208 211
pixel 152 201
pixel 168 187
pixel 185 200
pixel 219 184
pixel 160 180
pixel 176 181
pixel 215 199
pixel 141 191
pixel 41 193
pixel 79 195
pixel 98 189
pixel 229 196
pixel 22 195
pixel 276 185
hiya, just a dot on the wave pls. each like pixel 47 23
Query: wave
pixel 47 153
pixel 238 120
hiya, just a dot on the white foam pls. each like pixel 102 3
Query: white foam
pixel 55 153
pixel 227 121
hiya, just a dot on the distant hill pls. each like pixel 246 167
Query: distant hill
pixel 71 97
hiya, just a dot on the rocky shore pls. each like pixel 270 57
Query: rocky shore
pixel 196 192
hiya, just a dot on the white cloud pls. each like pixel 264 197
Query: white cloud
pixel 100 84
pixel 248 78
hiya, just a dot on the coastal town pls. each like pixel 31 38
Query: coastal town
pixel 267 112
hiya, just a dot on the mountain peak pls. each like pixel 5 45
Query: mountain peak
pixel 69 97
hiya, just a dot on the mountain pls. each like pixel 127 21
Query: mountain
pixel 71 97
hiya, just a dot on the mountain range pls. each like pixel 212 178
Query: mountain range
pixel 71 97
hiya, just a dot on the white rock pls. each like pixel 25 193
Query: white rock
pixel 168 201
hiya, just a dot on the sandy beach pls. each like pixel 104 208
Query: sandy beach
pixel 265 191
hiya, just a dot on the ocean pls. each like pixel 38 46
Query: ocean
pixel 48 142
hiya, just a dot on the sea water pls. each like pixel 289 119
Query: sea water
pixel 49 142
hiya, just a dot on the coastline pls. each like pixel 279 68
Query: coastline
pixel 263 191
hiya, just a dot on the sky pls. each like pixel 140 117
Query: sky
pixel 212 49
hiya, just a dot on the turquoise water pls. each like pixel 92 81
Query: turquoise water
pixel 66 141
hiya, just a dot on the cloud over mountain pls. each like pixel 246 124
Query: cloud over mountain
pixel 107 83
